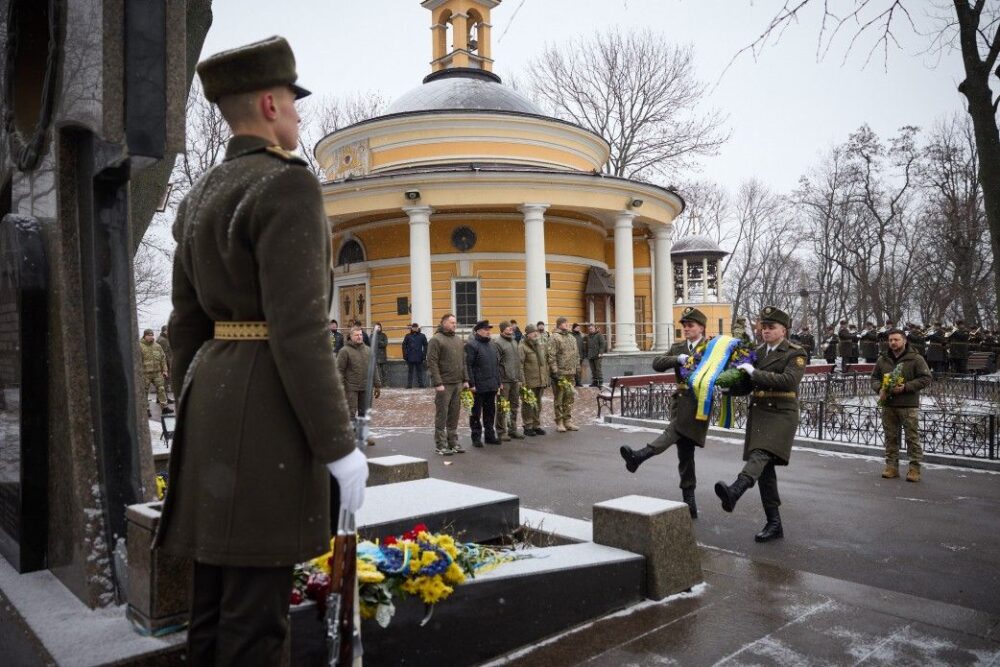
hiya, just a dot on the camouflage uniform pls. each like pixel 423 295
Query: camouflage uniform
pixel 564 359
pixel 154 369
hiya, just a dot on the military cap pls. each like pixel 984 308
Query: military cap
pixel 256 66
pixel 694 315
pixel 148 332
pixel 776 315
pixel 529 328
pixel 482 324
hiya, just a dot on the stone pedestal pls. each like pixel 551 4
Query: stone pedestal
pixel 658 529
pixel 392 469
pixel 159 585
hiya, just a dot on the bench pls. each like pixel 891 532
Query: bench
pixel 606 394
pixel 859 368
pixel 979 362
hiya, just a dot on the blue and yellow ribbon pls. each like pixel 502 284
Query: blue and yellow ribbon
pixel 713 361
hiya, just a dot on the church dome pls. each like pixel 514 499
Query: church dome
pixel 463 89
pixel 697 244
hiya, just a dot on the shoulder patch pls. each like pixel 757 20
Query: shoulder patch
pixel 800 361
pixel 287 156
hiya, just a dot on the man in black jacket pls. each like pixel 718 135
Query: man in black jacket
pixel 415 353
pixel 483 367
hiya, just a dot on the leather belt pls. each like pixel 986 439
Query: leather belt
pixel 241 330
pixel 774 394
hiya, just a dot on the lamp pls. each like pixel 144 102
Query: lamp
pixel 635 203
pixel 413 195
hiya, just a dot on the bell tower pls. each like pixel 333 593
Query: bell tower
pixel 463 26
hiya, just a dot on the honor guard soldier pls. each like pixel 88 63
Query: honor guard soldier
pixel 845 345
pixel 830 342
pixel 262 419
pixel 868 343
pixel 683 430
pixel 915 338
pixel 936 357
pixel 882 336
pixel 807 341
pixel 772 382
pixel 958 348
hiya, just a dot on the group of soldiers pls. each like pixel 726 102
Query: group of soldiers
pixel 945 348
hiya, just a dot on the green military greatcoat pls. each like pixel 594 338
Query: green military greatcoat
pixel 256 419
pixel 685 405
pixel 774 404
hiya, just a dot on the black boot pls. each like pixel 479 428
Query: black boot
pixel 635 457
pixel 772 529
pixel 730 494
pixel 689 499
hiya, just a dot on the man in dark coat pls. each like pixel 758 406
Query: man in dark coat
pixel 336 338
pixel 830 342
pixel 484 380
pixel 936 357
pixel 517 332
pixel 596 346
pixel 262 420
pixel 901 402
pixel 683 430
pixel 381 351
pixel 580 351
pixel 415 354
pixel 958 348
pixel 807 341
pixel 868 343
pixel 772 382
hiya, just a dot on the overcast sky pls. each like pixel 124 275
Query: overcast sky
pixel 784 109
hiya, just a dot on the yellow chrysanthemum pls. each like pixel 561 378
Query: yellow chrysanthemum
pixel 322 562
pixel 368 573
pixel 454 574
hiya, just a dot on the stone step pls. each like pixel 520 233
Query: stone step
pixel 470 513
pixel 516 604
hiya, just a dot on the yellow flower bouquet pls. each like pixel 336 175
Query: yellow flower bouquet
pixel 528 397
pixel 503 406
pixel 467 398
pixel 889 382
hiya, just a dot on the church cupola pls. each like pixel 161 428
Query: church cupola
pixel 463 26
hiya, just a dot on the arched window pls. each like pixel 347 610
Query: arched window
pixel 350 253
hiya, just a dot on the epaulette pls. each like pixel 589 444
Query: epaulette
pixel 287 156
pixel 795 346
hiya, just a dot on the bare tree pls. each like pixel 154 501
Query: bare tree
pixel 707 211
pixel 151 271
pixel 637 91
pixel 969 28
pixel 328 114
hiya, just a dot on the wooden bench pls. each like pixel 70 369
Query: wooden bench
pixel 606 394
pixel 859 368
pixel 979 362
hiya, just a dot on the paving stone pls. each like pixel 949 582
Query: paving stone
pixel 393 469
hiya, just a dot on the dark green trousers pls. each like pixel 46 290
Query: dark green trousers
pixel 760 466
pixel 239 615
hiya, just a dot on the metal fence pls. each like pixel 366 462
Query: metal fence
pixel 822 416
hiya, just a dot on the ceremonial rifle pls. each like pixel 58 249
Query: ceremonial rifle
pixel 343 637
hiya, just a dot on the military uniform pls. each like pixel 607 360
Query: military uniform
pixel 446 367
pixel 683 429
pixel 261 407
pixel 353 362
pixel 154 368
pixel 868 344
pixel 915 337
pixel 902 410
pixel 596 346
pixel 882 336
pixel 847 347
pixel 511 380
pixel 772 422
pixel 564 359
pixel 808 342
pixel 958 349
pixel 937 359
pixel 830 347
pixel 535 371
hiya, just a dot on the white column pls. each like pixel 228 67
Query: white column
pixel 624 284
pixel 420 265
pixel 534 263
pixel 663 286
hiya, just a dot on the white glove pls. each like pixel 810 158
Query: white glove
pixel 682 359
pixel 351 473
pixel 746 368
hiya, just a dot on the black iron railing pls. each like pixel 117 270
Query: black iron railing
pixel 824 417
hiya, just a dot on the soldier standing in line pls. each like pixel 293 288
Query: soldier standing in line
pixel 772 382
pixel 581 352
pixel 958 348
pixel 446 367
pixel 564 359
pixel 381 351
pixel 155 370
pixel 262 418
pixel 596 346
pixel 535 370
pixel 830 342
pixel 916 340
pixel 353 362
pixel 845 344
pixel 683 429
pixel 807 341
pixel 511 380
pixel 164 342
pixel 868 343
pixel 936 357
pixel 902 403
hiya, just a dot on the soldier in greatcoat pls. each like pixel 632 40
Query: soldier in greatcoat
pixel 772 383
pixel 262 420
pixel 869 342
pixel 958 348
pixel 683 429
pixel 936 357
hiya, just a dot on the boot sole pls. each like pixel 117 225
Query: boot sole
pixel 768 538
pixel 723 493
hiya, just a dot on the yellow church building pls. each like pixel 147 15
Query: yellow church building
pixel 465 197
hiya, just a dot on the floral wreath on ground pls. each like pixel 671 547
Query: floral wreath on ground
pixel 418 564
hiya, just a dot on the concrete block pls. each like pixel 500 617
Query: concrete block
pixel 658 529
pixel 392 469
pixel 159 584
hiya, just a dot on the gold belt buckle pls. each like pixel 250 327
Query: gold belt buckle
pixel 241 330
